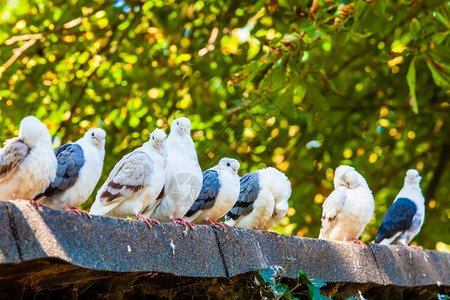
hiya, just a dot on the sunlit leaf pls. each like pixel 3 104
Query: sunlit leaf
pixel 411 78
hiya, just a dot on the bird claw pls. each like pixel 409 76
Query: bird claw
pixel 357 241
pixel 78 211
pixel 182 222
pixel 154 221
pixel 217 223
pixel 38 205
pixel 140 217
pixel 415 247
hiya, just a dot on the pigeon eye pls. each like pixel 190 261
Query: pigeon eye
pixel 178 123
pixel 92 134
pixel 153 137
pixel 228 164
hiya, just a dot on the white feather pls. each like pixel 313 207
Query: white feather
pixel 38 169
pixel 228 192
pixel 130 171
pixel 271 205
pixel 183 174
pixel 89 174
pixel 412 191
pixel 349 208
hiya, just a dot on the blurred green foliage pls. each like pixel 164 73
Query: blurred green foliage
pixel 303 86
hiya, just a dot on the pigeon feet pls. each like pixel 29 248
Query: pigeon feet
pixel 182 222
pixel 77 211
pixel 415 247
pixel 32 202
pixel 217 223
pixel 147 221
pixel 357 241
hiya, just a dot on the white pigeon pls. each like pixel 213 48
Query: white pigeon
pixel 183 175
pixel 403 220
pixel 135 181
pixel 263 200
pixel 348 209
pixel 27 162
pixel 80 165
pixel 220 190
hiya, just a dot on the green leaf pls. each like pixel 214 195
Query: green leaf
pixel 303 278
pixel 318 282
pixel 414 27
pixel 440 37
pixel 411 78
pixel 268 275
pixel 441 18
pixel 363 35
pixel 280 288
pixel 438 71
pixel 134 122
pixel 318 99
pixel 315 294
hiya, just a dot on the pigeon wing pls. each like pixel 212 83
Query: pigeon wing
pixel 128 178
pixel 248 193
pixel 11 155
pixel 208 194
pixel 397 219
pixel 70 159
pixel 331 208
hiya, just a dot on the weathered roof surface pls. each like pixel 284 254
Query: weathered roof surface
pixel 33 242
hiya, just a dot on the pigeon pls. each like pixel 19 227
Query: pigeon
pixel 27 162
pixel 348 209
pixel 403 220
pixel 183 176
pixel 135 181
pixel 220 190
pixel 80 165
pixel 262 201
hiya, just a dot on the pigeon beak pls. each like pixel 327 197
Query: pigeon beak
pixel 159 144
pixel 99 139
pixel 235 170
pixel 183 130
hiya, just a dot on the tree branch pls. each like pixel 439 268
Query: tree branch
pixel 438 171
pixel 103 49
pixel 430 106
pixel 18 52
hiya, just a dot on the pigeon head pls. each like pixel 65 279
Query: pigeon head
pixel 412 177
pixel 229 163
pixel 346 176
pixel 32 131
pixel 96 136
pixel 158 138
pixel 182 126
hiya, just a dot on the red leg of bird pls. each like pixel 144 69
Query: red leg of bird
pixel 77 211
pixel 357 241
pixel 37 204
pixel 217 223
pixel 415 247
pixel 140 217
pixel 272 232
pixel 185 223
